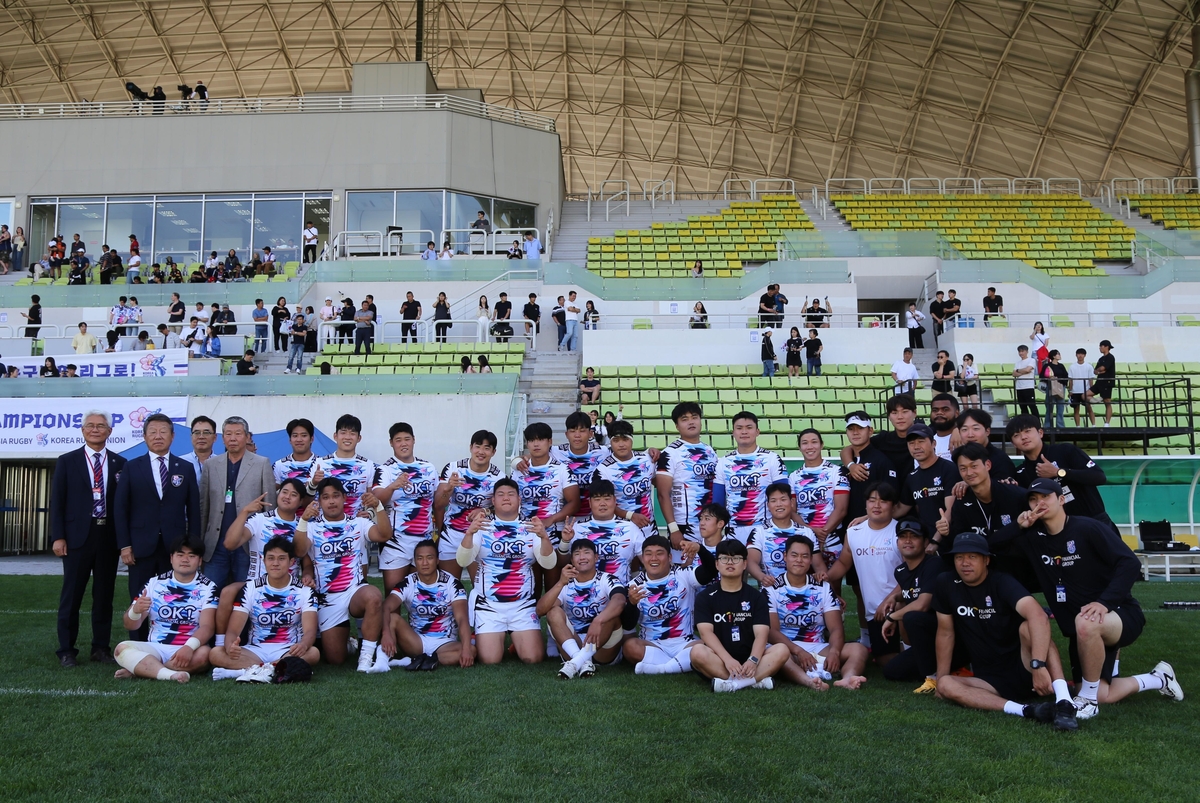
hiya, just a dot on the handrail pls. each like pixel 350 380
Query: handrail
pixel 968 184
pixel 872 182
pixel 725 186
pixel 1192 182
pixel 829 181
pixel 1051 183
pixel 459 246
pixel 1022 184
pixel 652 187
pixel 463 304
pixel 313 104
pixel 418 245
pixel 1157 184
pixel 549 235
pixel 789 186
pixel 752 320
pixel 937 185
pixel 600 192
pixel 611 198
pixel 1077 320
pixel 341 242
pixel 515 431
pixel 986 182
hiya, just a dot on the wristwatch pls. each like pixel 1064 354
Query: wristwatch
pixel 1036 664
pixel 753 660
pixel 1062 473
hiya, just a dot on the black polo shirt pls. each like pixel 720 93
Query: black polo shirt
pixel 733 615
pixel 921 580
pixel 985 616
pixel 1081 486
pixel 879 469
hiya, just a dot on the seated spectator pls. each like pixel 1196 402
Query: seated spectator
pixel 143 341
pixel 326 369
pixel 83 343
pixel 157 274
pixel 697 268
pixel 699 319
pixel 430 252
pixel 514 250
pixel 49 368
pixel 589 388
pixel 268 261
pixel 817 316
pixel 114 342
pixel 71 371
pixel 197 276
pixel 466 366
pixel 210 266
pixel 14 372
pixel 175 275
pixel 246 366
pixel 232 265
pixel 484 366
pixel 446 252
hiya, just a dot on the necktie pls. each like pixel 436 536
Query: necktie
pixel 98 482
pixel 162 474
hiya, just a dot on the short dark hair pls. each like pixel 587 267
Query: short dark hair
pixel 579 420
pixel 279 542
pixel 506 482
pixel 484 437
pixel 720 512
pixel 683 408
pixel 971 451
pixel 901 401
pixel 582 543
pixel 885 490
pixel 425 542
pixel 304 423
pixel 249 352
pixel 601 487
pixel 803 540
pixel 946 397
pixel 776 488
pixel 979 416
pixel 331 482
pixel 744 415
pixel 203 419
pixel 620 429
pixel 1020 423
pixel 810 431
pixel 349 422
pixel 539 431
pixel 160 418
pixel 186 542
pixel 1025 348
pixel 295 484
pixel 398 427
pixel 1080 351
pixel 732 546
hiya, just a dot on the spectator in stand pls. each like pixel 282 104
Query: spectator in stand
pixel 135 315
pixel 483 318
pixel 766 307
pixel 77 275
pixel 196 276
pixel 363 320
pixel 13 372
pixel 943 373
pixel 328 312
pixel 113 342
pixel 993 305
pixel 1055 376
pixel 905 374
pixel 484 366
pixel 558 314
pixel 570 340
pixel 133 270
pixel 211 265
pixel 19 247
pixel 480 224
pixel 697 269
pixel 268 261
pixel 447 252
pixel 1025 372
pixel 502 329
pixel 591 316
pixel 83 343
pixel 1039 341
pixel 227 320
pixel 370 305
pixel 345 328
pixel 768 354
pixel 299 335
pixel 812 353
pixel 912 320
pixel 279 314
pixel 815 316
pixel 532 246
pixel 781 302
pixel 441 317
pixel 175 275
pixel 967 384
pixel 166 339
pixel 410 312
pixel 1081 375
pixel 246 366
pixel 953 305
pixel 310 236
pixel 699 318
pixel 157 274
pixel 430 253
pixel 794 349
pixel 1106 379
pixel 532 313
pixel 33 316
pixel 514 250
pixel 193 337
pixel 5 244
pixel 233 265
pixel 937 311
pixel 143 342
pixel 260 315
pixel 465 365
pixel 589 388
pixel 71 371
pixel 175 312
pixel 49 368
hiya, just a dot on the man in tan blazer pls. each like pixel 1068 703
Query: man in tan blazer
pixel 228 483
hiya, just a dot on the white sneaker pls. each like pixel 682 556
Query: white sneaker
pixel 587 670
pixel 287 370
pixel 1085 708
pixel 365 662
pixel 567 671
pixel 400 662
pixel 258 674
pixel 766 684
pixel 351 646
pixel 380 666
pixel 1171 687
pixel 720 685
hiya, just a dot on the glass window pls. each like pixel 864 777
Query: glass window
pixel 316 211
pixel 177 229
pixel 369 211
pixel 461 211
pixel 227 225
pixel 509 215
pixel 126 219
pixel 278 224
pixel 420 215
pixel 86 220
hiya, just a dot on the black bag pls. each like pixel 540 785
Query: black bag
pixel 290 669
pixel 501 329
pixel 920 330
pixel 1155 535
pixel 961 387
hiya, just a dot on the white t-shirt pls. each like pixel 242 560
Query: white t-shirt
pixel 1038 340
pixel 1081 374
pixel 905 372
pixel 1026 381
pixel 875 559
pixel 135 262
pixel 913 318
pixel 310 236
pixel 572 316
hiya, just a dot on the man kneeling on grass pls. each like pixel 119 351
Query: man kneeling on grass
pixel 282 618
pixel 182 605
pixel 806 620
pixel 437 632
pixel 583 610
pixel 1007 637
pixel 734 622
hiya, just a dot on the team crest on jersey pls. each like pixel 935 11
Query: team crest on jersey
pixel 176 480
pixel 1071 547
pixel 1005 519
pixel 937 481
pixel 987 601
pixel 745 605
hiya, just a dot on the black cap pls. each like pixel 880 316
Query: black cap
pixel 910 525
pixel 919 431
pixel 1107 343
pixel 969 542
pixel 656 540
pixel 1044 485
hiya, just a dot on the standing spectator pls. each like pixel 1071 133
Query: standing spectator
pixel 532 313
pixel 441 318
pixel 815 316
pixel 912 320
pixel 5 245
pixel 312 322
pixel 133 271
pixel 794 348
pixel 82 533
pixel 699 318
pixel 245 366
pixel 410 312
pixel 1025 372
pixel 943 373
pixel 202 313
pixel 515 251
pixel 591 316
pixel 83 343
pixel 328 313
pixel 483 317
pixel 1055 375
pixel 570 340
pixel 1081 375
pixel 166 339
pixel 905 374
pixel 812 353
pixel 135 315
pixel 310 236
pixel 1039 340
pixel 370 305
pixel 503 326
pixel 34 316
pixel 299 335
pixel 766 307
pixel 227 320
pixel 589 388
pixel 228 482
pixel 259 314
pixel 781 302
pixel 768 354
pixel 937 311
pixel 175 312
pixel 532 246
pixel 558 314
pixel 19 247
pixel 346 327
pixel 430 253
pixel 993 305
pixel 363 319
pixel 279 314
pixel 484 227
pixel 193 337
pixel 967 384
pixel 953 305
pixel 1106 379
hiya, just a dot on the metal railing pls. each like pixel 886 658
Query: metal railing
pixel 598 194
pixel 514 432
pixel 427 330
pixel 1021 321
pixel 652 189
pixel 396 244
pixel 688 318
pixel 357 243
pixel 608 204
pixel 335 104
pixel 468 303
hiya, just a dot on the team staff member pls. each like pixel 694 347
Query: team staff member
pixel 1012 660
pixel 930 484
pixel 583 612
pixel 734 621
pixel 1106 379
pixel 908 613
pixel 228 482
pixel 1065 463
pixel 902 414
pixel 975 426
pixel 1087 574
pixel 685 476
pixel 83 534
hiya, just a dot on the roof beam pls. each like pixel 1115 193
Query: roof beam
pixel 848 113
pixel 161 39
pixel 233 67
pixel 283 50
pixel 917 101
pixel 84 12
pixel 33 32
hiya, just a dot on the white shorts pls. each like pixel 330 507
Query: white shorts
pixel 613 640
pixel 742 533
pixel 449 542
pixel 431 644
pixel 334 609
pixel 504 617
pixel 163 652
pixel 398 553
pixel 812 647
pixel 269 653
pixel 674 646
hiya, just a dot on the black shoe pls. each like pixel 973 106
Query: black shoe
pixel 103 655
pixel 417 663
pixel 67 660
pixel 429 663
pixel 1064 716
pixel 1042 712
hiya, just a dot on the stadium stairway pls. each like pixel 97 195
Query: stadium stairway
pixel 550 381
pixel 574 229
pixel 834 222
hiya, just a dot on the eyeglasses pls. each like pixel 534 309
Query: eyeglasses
pixel 95 426
pixel 730 560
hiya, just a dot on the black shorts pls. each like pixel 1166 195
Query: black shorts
pixel 880 647
pixel 969 390
pixel 1104 388
pixel 1010 679
pixel 1133 622
pixel 1078 399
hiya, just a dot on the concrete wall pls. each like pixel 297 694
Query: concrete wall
pixel 412 78
pixel 1136 344
pixel 1020 299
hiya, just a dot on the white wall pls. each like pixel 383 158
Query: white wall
pixel 1135 344
pixel 1022 299
pixel 731 346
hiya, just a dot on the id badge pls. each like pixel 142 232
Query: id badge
pixel 1060 593
pixel 228 496
pixel 736 634
pixel 97 494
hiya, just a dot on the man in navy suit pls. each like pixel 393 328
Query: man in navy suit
pixel 157 501
pixel 82 534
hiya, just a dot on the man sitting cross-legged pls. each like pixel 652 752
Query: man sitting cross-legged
pixel 438 630
pixel 583 610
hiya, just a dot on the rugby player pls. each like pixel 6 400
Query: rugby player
pixel 356 473
pixel 437 631
pixel 632 475
pixel 665 599
pixel 684 478
pixel 581 454
pixel 464 487
pixel 299 464
pixel 548 492
pixel 822 494
pixel 617 541
pixel 768 540
pixel 743 475
pixel 583 612
pixel 407 485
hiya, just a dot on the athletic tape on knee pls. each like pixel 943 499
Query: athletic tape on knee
pixel 130 657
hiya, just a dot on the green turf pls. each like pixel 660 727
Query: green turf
pixel 515 733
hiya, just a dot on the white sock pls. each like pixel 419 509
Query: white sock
pixel 585 654
pixel 1116 667
pixel 683 660
pixel 220 639
pixel 654 656
pixel 400 662
pixel 1015 709
pixel 226 674
pixel 570 648
pixel 1061 690
pixel 740 683
pixel 1149 682
pixel 1089 690
pixel 166 674
pixel 367 650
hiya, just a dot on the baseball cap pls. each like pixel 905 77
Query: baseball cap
pixel 910 526
pixel 857 420
pixel 1107 343
pixel 919 431
pixel 1044 485
pixel 969 542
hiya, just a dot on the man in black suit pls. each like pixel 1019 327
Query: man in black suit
pixel 157 501
pixel 82 534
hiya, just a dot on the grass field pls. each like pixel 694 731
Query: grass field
pixel 516 733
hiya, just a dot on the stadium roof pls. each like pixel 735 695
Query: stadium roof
pixel 698 91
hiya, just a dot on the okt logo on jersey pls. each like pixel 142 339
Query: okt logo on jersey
pixel 972 612
pixel 537 491
pixel 664 603
pixel 418 487
pixel 335 546
pixel 284 618
pixel 177 613
pixel 804 619
pixel 739 481
pixel 812 496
